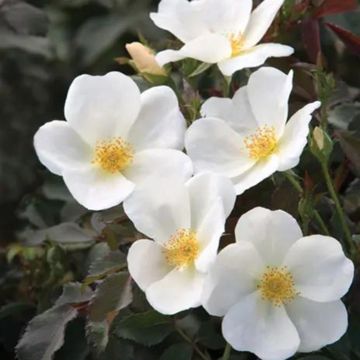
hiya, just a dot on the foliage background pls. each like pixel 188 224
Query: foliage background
pixel 43 46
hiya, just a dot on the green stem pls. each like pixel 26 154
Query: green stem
pixel 195 347
pixel 347 233
pixel 227 352
pixel 321 223
pixel 296 184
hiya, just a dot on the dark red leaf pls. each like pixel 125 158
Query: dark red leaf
pixel 311 38
pixel 351 40
pixel 330 7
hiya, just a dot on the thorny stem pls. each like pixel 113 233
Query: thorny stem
pixel 227 352
pixel 317 215
pixel 195 347
pixel 347 233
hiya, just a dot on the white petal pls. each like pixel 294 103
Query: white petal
pixel 164 162
pixel 294 139
pixel 254 57
pixel 261 328
pixel 160 123
pixel 209 48
pixel 204 190
pixel 236 112
pixel 320 268
pixel 208 234
pixel 214 146
pixel 96 190
pixel 180 17
pixel 318 324
pixel 257 173
pixel 232 277
pixel 260 20
pixel 58 146
pixel 227 16
pixel 159 207
pixel 188 20
pixel 168 56
pixel 179 290
pixel 271 232
pixel 101 107
pixel 147 263
pixel 269 90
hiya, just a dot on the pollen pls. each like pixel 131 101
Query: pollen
pixel 237 44
pixel 277 286
pixel 262 143
pixel 182 249
pixel 113 155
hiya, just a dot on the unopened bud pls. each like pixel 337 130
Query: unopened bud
pixel 144 59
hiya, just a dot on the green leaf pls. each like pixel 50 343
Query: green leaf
pixel 98 335
pixel 200 69
pixel 148 328
pixel 109 262
pixel 74 293
pixel 181 351
pixel 342 115
pixel 210 335
pixel 112 295
pixel 45 334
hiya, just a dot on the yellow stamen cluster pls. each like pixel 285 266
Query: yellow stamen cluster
pixel 182 249
pixel 262 143
pixel 237 44
pixel 277 286
pixel 113 155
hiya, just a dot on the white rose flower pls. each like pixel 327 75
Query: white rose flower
pixel 247 138
pixel 279 291
pixel 186 221
pixel 222 32
pixel 113 139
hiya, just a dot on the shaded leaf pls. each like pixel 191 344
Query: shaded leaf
pixel 45 334
pixel 148 328
pixel 181 351
pixel 310 32
pixel 112 295
pixel 343 115
pixel 200 69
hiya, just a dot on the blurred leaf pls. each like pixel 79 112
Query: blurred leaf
pixel 112 295
pixel 148 328
pixel 210 335
pixel 343 115
pixel 32 44
pixel 351 40
pixel 118 349
pixel 99 33
pixel 351 147
pixel 352 197
pixel 181 351
pixel 14 308
pixel 329 7
pixel 45 334
pixel 24 18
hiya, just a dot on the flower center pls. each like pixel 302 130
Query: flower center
pixel 237 44
pixel 182 249
pixel 277 286
pixel 262 143
pixel 113 155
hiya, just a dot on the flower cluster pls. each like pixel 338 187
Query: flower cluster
pixel 279 292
